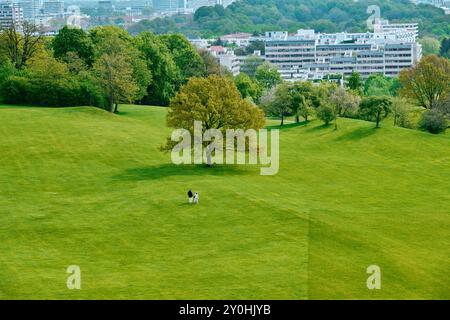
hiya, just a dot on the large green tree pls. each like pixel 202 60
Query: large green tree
pixel 116 42
pixel 159 60
pixel 185 56
pixel 73 40
pixel 216 102
pixel 20 43
pixel 428 82
pixel 430 45
pixel 115 76
pixel 247 87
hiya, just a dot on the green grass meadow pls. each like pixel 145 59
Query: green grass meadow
pixel 80 186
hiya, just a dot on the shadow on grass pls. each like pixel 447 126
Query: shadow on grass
pixel 358 134
pixel 288 126
pixel 321 127
pixel 172 170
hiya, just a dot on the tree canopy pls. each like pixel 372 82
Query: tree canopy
pixel 258 16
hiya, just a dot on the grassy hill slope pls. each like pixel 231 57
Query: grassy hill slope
pixel 79 186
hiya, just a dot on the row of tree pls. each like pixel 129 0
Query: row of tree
pixel 103 67
pixel 426 86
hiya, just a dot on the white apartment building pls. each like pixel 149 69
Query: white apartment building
pixel 309 55
pixel 53 8
pixel 185 6
pixel 226 58
pixel 10 14
pixel 30 8
pixel 231 62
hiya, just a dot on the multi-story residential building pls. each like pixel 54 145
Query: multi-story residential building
pixel 54 8
pixel 308 55
pixel 231 62
pixel 399 56
pixel 241 39
pixel 226 58
pixel 408 30
pixel 186 6
pixel 30 8
pixel 10 14
pixel 167 5
pixel 289 53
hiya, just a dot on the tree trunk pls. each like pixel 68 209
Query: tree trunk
pixel 335 122
pixel 297 118
pixel 116 108
pixel 282 120
pixel 378 119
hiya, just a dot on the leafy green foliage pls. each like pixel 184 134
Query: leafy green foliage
pixel 216 102
pixel 326 113
pixel 185 56
pixel 267 75
pixel 273 102
pixel 166 74
pixel 433 121
pixel 380 85
pixel 375 108
pixel 445 48
pixel 247 87
pixel 258 16
pixel 430 45
pixel 251 64
pixel 428 82
pixel 73 40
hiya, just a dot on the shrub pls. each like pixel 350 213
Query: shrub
pixel 16 90
pixel 402 113
pixel 433 121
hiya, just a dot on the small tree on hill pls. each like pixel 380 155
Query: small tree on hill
pixel 355 83
pixel 301 96
pixel 275 103
pixel 326 113
pixel 374 108
pixel 267 75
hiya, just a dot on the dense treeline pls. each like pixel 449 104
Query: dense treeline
pixel 106 67
pixel 258 16
pixel 103 67
pixel 419 98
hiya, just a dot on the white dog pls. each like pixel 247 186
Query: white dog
pixel 196 197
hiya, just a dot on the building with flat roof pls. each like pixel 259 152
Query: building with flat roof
pixel 53 8
pixel 309 55
pixel 10 14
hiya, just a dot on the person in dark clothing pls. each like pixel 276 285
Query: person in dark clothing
pixel 190 196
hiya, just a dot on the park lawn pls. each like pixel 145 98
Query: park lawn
pixel 80 186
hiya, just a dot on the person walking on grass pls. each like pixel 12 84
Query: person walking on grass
pixel 196 198
pixel 190 196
